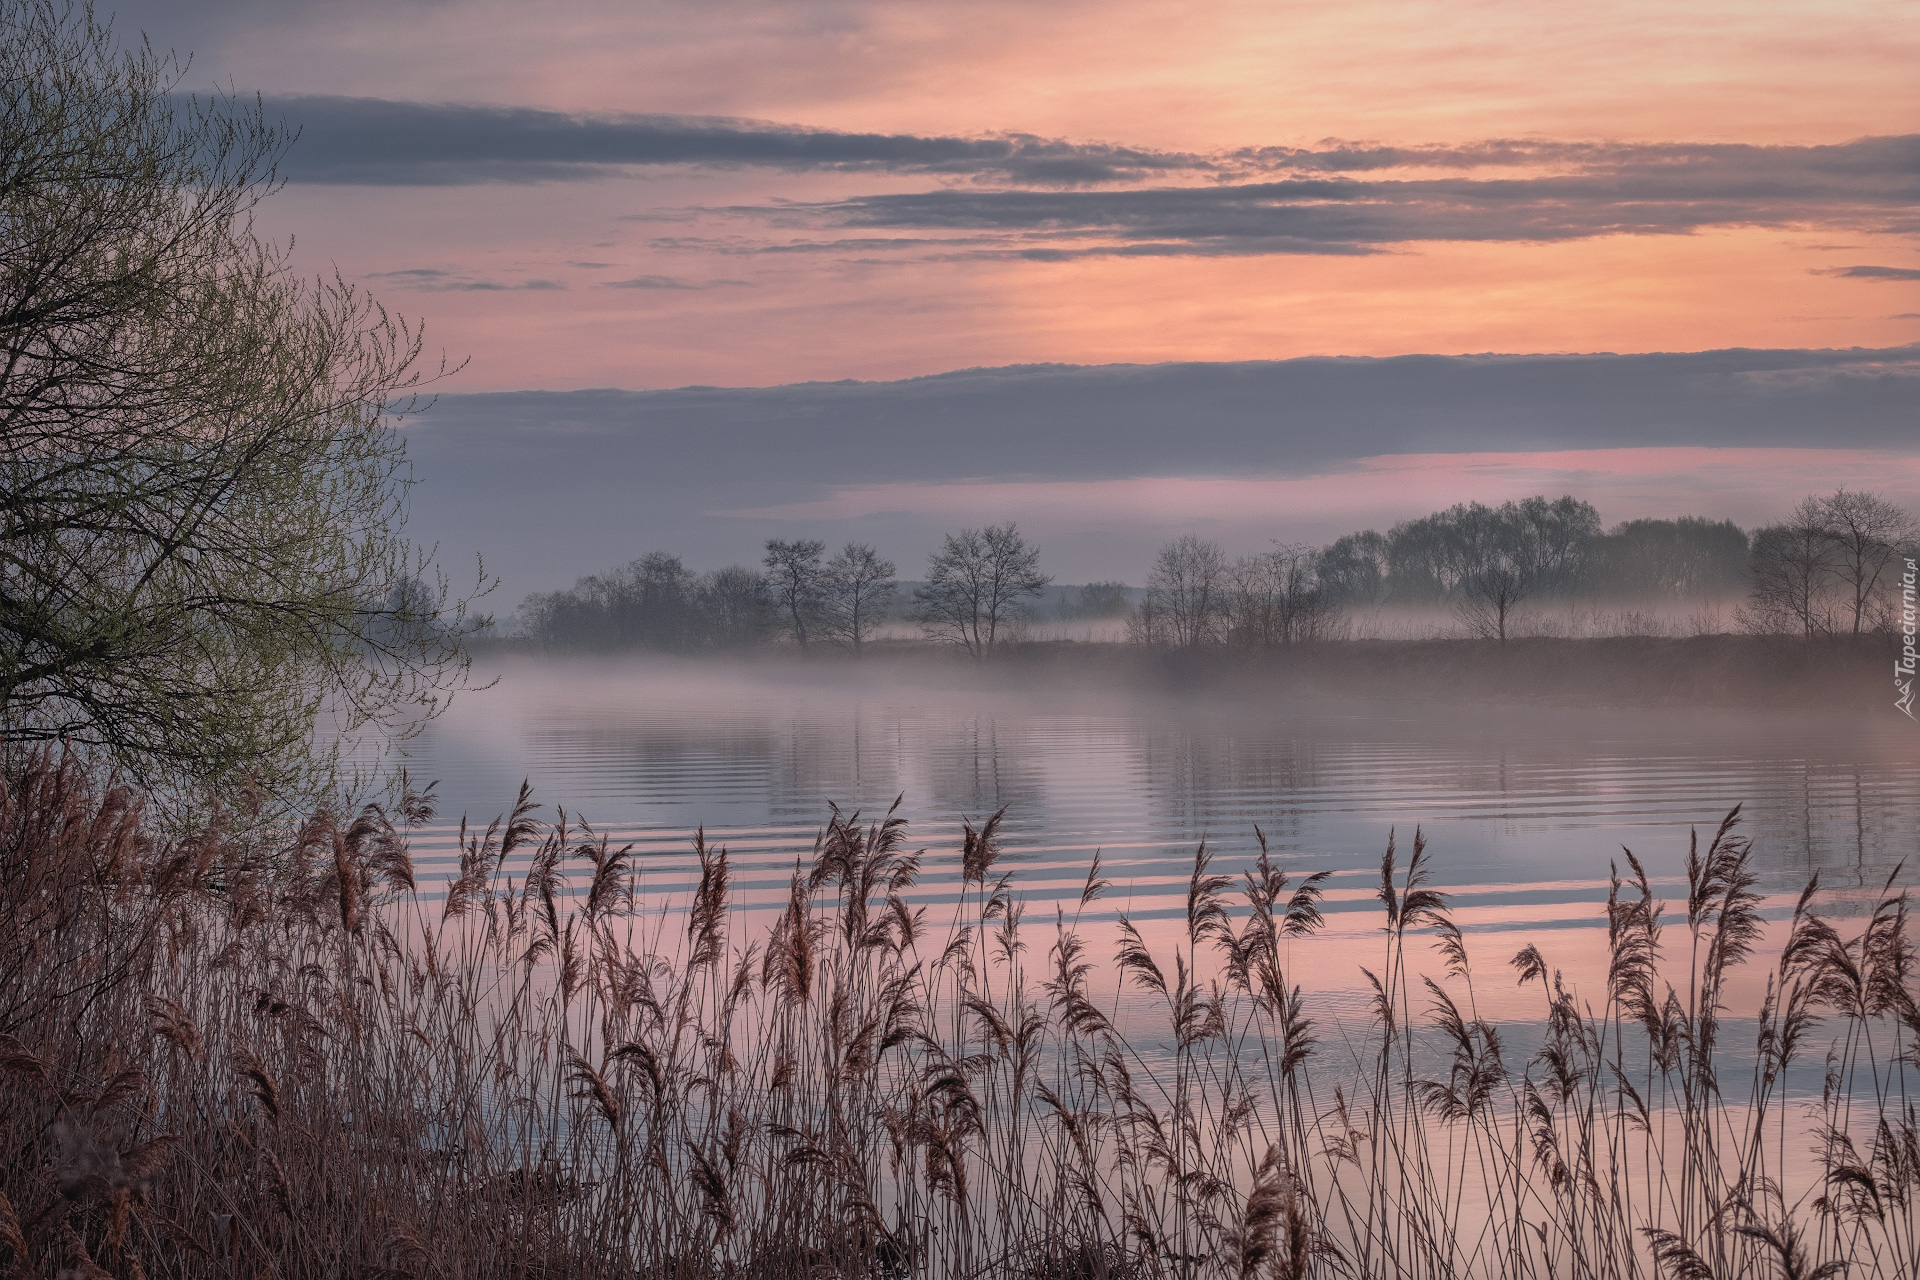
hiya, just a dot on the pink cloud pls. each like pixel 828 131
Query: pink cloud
pixel 1149 73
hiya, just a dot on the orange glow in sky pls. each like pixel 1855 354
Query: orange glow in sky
pixel 713 271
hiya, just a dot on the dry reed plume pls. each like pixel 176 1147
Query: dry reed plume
pixel 250 1053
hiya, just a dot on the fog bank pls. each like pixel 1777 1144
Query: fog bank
pixel 1102 463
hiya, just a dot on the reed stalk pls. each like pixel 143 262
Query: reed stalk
pixel 258 1052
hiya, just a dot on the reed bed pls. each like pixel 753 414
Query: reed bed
pixel 254 1051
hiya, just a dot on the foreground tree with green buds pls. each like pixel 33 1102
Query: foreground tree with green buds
pixel 201 491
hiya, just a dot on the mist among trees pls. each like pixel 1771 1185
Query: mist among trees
pixel 798 595
pixel 1490 571
pixel 1829 567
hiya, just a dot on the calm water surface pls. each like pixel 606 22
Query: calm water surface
pixel 1522 807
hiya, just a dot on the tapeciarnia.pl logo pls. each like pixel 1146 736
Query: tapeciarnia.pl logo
pixel 1903 666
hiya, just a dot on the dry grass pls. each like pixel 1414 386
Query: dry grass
pixel 250 1053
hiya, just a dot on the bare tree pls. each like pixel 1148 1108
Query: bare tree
pixel 1353 569
pixel 1490 594
pixel 1793 576
pixel 1147 624
pixel 1550 539
pixel 1475 555
pixel 1868 534
pixel 1276 598
pixel 859 586
pixel 798 581
pixel 977 582
pixel 1188 587
pixel 661 608
pixel 736 606
pixel 1432 557
pixel 1250 602
pixel 1680 559
pixel 1507 554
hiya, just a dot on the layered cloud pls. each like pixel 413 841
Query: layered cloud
pixel 441 280
pixel 1105 463
pixel 1872 273
pixel 1515 192
pixel 567 191
pixel 1026 197
pixel 372 141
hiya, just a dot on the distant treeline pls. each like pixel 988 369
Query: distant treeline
pixel 658 603
pixel 1831 567
pixel 654 603
pixel 1557 545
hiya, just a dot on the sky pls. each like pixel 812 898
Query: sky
pixel 1103 464
pixel 732 193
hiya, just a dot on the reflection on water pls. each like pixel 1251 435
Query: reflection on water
pixel 1523 807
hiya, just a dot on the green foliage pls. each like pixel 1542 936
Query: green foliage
pixel 201 493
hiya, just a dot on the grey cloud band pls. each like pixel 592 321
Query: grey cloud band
pixel 1022 196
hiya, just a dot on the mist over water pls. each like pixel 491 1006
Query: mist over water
pixel 1523 807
